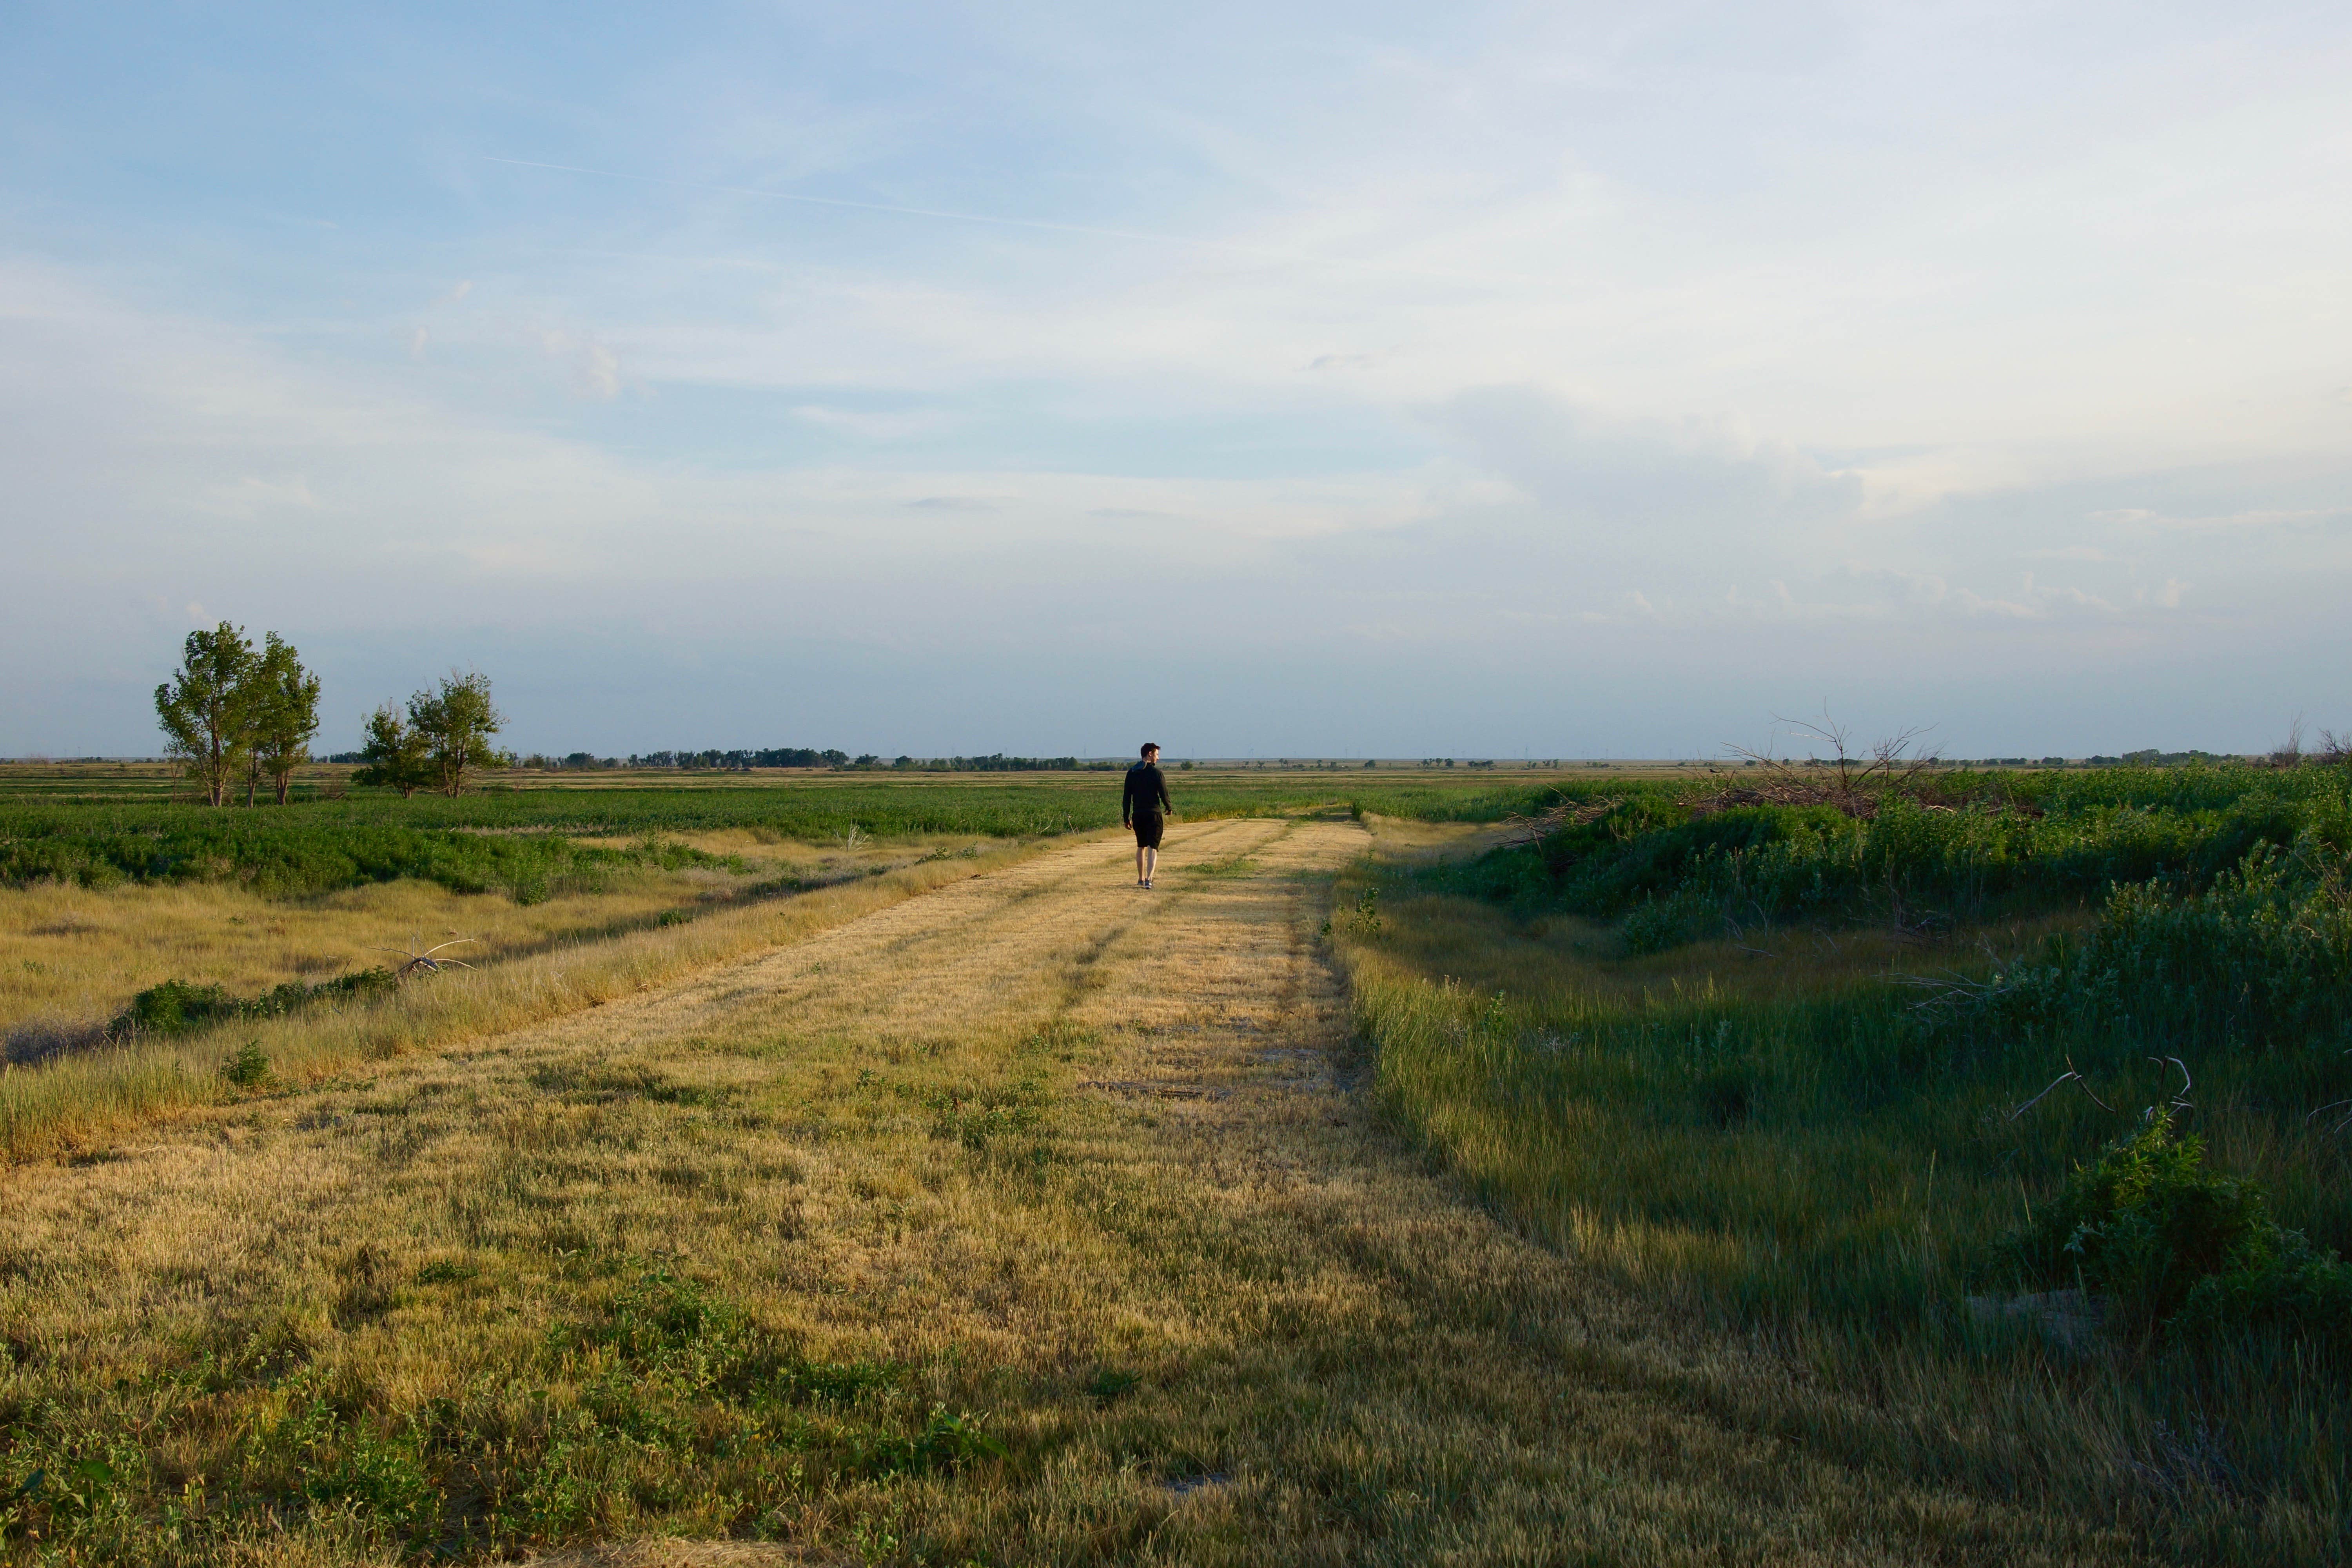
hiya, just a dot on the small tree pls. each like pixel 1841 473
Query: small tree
pixel 396 754
pixel 204 708
pixel 457 723
pixel 285 712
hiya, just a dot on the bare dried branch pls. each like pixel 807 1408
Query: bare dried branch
pixel 2070 1076
pixel 1856 784
pixel 2180 1100
pixel 424 960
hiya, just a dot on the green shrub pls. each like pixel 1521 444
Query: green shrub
pixel 2168 1244
pixel 249 1067
pixel 946 1443
pixel 174 1008
pixel 2033 838
pixel 1661 925
pixel 2262 956
pixel 177 1006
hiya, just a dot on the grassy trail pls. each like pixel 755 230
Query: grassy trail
pixel 1088 1163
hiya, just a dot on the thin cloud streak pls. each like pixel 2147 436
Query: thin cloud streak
pixel 1256 253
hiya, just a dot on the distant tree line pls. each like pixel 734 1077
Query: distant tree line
pixel 772 757
pixel 994 762
pixel 802 757
pixel 234 711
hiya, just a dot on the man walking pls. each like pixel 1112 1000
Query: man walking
pixel 1142 807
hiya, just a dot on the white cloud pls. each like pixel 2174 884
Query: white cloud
pixel 595 369
pixel 600 371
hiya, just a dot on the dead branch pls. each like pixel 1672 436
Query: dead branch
pixel 2180 1100
pixel 1529 830
pixel 2288 753
pixel 1857 783
pixel 425 961
pixel 2069 1076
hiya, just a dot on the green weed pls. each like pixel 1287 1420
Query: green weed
pixel 248 1069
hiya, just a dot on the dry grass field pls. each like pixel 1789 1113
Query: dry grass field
pixel 1033 1219
pixel 71 957
pixel 73 1103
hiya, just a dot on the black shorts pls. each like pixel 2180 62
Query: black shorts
pixel 1148 830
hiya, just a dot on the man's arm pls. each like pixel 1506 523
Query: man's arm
pixel 1126 801
pixel 1165 804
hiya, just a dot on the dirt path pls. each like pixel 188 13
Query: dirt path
pixel 1087 1161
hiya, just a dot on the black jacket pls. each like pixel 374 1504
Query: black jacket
pixel 1147 792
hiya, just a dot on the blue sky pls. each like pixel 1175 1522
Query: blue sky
pixel 1475 380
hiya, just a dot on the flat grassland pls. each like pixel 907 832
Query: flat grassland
pixel 1038 1219
pixel 1376 1190
pixel 564 893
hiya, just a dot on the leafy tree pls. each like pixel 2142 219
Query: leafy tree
pixel 396 755
pixel 457 723
pixel 284 714
pixel 205 708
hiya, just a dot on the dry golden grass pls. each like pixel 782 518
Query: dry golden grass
pixel 77 1102
pixel 73 957
pixel 1090 1163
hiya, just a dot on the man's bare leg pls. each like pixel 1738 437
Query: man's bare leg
pixel 1149 859
pixel 1139 872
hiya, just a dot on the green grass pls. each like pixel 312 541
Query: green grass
pixel 1968 844
pixel 654 1391
pixel 1771 1059
pixel 527 842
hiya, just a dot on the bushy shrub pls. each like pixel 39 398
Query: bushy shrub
pixel 177 1006
pixel 2261 956
pixel 249 1067
pixel 2170 1245
pixel 1661 925
pixel 2039 837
